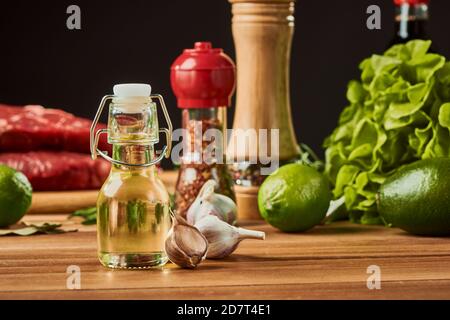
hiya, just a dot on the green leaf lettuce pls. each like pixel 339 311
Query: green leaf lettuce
pixel 398 112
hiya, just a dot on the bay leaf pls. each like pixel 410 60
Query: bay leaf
pixel 24 229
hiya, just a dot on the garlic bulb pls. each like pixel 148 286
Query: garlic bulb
pixel 185 244
pixel 210 203
pixel 223 238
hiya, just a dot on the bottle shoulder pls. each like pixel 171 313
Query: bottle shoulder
pixel 126 186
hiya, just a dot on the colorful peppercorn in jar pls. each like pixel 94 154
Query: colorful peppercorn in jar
pixel 203 80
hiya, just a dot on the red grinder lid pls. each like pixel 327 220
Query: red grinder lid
pixel 203 77
pixel 410 2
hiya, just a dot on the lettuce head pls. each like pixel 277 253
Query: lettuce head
pixel 398 113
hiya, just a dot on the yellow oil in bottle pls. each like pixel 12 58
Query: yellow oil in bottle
pixel 133 214
pixel 133 206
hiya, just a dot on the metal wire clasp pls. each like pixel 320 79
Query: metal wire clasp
pixel 95 135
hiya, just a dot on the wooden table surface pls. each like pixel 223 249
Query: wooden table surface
pixel 328 262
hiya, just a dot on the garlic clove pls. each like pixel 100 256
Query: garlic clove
pixel 222 237
pixel 185 245
pixel 208 202
pixel 225 208
pixel 197 208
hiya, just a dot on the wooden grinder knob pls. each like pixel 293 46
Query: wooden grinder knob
pixel 262 32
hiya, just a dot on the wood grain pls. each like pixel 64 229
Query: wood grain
pixel 62 201
pixel 247 202
pixel 262 33
pixel 328 262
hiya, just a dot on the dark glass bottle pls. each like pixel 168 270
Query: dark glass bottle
pixel 411 20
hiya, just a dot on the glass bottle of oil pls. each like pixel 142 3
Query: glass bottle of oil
pixel 133 217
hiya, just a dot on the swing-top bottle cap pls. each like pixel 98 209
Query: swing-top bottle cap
pixel 128 90
pixel 125 127
pixel 131 97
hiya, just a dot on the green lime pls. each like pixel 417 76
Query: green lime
pixel 416 198
pixel 15 196
pixel 294 198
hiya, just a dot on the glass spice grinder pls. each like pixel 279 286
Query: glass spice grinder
pixel 133 217
pixel 203 80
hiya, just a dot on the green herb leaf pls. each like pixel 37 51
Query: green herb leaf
pixel 89 215
pixel 308 157
pixel 24 229
pixel 444 115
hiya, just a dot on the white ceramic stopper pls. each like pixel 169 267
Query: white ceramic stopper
pixel 127 90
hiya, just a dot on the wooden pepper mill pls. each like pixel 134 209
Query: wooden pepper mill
pixel 262 32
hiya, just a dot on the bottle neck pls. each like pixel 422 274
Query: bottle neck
pixel 133 154
pixel 411 21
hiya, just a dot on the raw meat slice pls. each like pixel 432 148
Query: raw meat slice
pixel 32 128
pixel 55 171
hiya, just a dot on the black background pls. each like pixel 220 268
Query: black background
pixel 42 62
